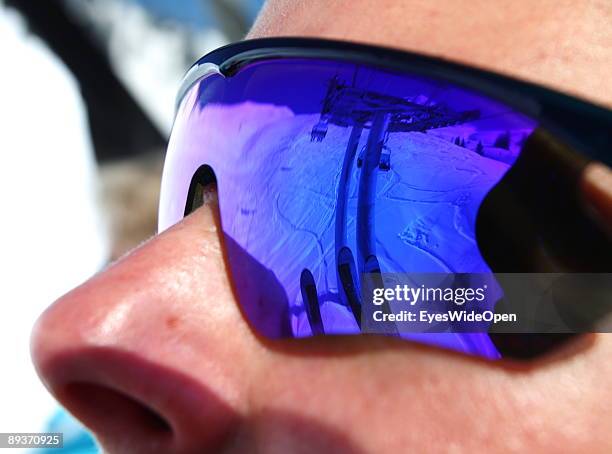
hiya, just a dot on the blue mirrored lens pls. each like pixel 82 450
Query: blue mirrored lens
pixel 326 170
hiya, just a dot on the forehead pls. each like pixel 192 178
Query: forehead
pixel 564 45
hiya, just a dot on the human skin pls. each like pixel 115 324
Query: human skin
pixel 160 331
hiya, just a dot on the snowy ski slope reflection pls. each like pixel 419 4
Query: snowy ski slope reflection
pixel 279 202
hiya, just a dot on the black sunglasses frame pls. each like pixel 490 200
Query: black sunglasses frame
pixel 583 125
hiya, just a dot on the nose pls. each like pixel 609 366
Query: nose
pixel 136 355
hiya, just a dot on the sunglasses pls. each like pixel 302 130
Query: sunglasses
pixel 344 170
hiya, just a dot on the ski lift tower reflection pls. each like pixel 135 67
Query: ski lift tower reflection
pixel 383 114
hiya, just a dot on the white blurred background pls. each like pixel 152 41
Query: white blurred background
pixel 87 95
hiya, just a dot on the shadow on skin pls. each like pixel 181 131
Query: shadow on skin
pixel 339 346
pixel 263 300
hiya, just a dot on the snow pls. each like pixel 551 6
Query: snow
pixel 278 193
pixel 51 236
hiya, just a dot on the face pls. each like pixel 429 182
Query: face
pixel 154 354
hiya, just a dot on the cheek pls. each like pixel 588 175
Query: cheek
pixel 391 397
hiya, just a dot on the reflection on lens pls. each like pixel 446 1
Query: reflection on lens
pixel 335 169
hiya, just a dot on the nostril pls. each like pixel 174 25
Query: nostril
pixel 110 412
